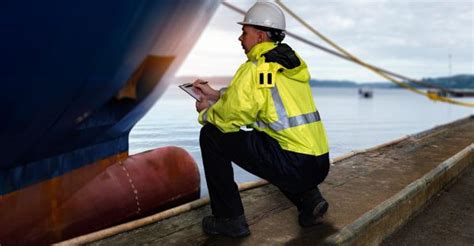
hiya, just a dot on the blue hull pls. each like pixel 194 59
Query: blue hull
pixel 77 76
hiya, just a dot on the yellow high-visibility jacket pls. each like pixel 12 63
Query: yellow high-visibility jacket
pixel 271 98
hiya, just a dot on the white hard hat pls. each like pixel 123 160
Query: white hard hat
pixel 265 14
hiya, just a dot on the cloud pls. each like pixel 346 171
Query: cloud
pixel 413 38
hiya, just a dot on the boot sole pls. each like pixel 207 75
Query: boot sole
pixel 215 233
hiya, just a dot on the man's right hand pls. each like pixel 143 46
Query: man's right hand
pixel 206 91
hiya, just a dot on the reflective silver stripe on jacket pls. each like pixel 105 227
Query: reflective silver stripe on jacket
pixel 204 115
pixel 284 121
pixel 221 91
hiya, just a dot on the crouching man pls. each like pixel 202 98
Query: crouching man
pixel 269 93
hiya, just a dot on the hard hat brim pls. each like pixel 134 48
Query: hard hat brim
pixel 253 24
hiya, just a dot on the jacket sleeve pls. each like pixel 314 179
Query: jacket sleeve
pixel 238 105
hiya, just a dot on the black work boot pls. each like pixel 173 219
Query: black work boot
pixel 231 227
pixel 313 207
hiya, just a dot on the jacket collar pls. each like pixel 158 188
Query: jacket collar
pixel 260 49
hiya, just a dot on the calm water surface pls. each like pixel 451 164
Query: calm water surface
pixel 351 122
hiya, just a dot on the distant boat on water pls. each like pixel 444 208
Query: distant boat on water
pixel 366 92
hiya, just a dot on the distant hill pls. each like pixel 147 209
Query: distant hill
pixel 463 81
pixel 348 84
pixel 333 83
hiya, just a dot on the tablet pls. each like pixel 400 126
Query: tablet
pixel 188 88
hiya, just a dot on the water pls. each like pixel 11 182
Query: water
pixel 351 122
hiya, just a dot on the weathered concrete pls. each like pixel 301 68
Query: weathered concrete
pixel 376 224
pixel 448 219
pixel 354 187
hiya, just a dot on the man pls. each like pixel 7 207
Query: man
pixel 287 146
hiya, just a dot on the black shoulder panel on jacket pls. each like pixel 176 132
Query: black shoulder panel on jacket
pixel 283 55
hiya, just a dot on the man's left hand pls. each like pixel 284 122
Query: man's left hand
pixel 203 104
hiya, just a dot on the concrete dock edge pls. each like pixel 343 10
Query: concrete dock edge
pixel 372 227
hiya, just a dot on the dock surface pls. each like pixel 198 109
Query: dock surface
pixel 355 187
pixel 448 219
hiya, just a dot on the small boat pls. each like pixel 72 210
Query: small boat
pixel 365 93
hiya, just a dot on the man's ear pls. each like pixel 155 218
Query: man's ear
pixel 262 36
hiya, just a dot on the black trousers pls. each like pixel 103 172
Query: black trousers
pixel 256 152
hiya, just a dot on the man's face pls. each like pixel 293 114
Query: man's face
pixel 250 37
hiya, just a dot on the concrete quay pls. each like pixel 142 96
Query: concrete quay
pixel 372 193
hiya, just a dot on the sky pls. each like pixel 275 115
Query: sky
pixel 415 38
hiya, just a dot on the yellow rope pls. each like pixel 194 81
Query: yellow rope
pixel 432 96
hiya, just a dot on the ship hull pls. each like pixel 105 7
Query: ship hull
pixel 76 77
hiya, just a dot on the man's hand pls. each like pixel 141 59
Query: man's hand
pixel 203 104
pixel 206 91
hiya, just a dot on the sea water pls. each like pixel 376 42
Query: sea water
pixel 351 122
